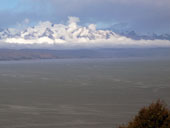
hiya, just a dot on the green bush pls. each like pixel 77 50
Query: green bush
pixel 157 115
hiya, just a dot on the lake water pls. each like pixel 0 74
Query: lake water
pixel 79 93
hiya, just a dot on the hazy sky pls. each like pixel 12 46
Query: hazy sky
pixel 139 15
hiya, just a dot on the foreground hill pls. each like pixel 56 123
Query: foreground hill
pixel 157 115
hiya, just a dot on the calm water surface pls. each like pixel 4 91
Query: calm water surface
pixel 79 93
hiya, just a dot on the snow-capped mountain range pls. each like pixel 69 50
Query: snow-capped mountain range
pixel 71 35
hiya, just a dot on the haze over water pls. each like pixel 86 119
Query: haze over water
pixel 79 93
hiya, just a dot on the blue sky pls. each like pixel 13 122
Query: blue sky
pixel 5 4
pixel 143 16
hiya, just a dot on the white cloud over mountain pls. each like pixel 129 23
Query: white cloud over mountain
pixel 71 35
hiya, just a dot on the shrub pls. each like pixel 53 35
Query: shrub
pixel 157 115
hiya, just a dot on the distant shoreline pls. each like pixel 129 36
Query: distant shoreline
pixel 39 54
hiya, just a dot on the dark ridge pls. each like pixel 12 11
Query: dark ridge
pixel 22 54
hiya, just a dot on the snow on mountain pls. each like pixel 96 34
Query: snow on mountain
pixel 71 36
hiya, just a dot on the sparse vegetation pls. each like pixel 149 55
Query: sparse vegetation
pixel 157 115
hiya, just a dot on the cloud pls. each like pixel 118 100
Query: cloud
pixel 26 21
pixel 23 24
pixel 73 20
pixel 140 15
pixel 71 35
